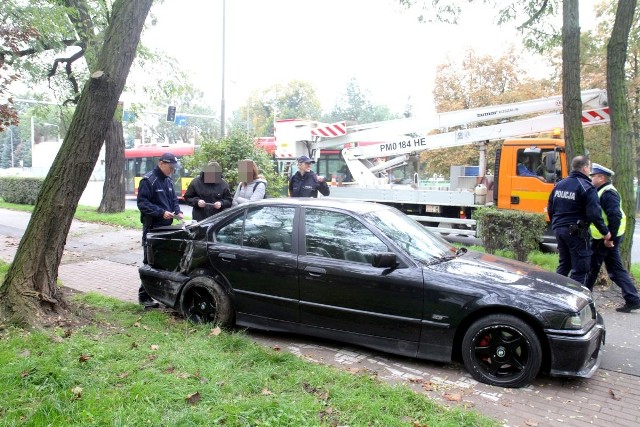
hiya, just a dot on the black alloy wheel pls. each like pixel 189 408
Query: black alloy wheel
pixel 205 301
pixel 502 350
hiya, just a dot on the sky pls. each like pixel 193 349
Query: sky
pixel 391 55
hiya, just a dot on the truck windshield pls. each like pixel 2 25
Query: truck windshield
pixel 421 244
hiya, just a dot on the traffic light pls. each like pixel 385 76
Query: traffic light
pixel 171 113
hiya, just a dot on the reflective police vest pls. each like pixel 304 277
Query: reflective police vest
pixel 623 221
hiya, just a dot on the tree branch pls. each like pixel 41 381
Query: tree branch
pixel 535 15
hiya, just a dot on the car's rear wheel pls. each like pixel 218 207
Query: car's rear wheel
pixel 203 300
pixel 502 350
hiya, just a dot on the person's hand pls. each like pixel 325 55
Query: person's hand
pixel 217 205
pixel 608 243
pixel 607 237
pixel 179 215
pixel 167 215
pixel 320 178
pixel 201 203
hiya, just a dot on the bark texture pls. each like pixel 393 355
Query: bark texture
pixel 622 148
pixel 29 289
pixel 113 197
pixel 572 102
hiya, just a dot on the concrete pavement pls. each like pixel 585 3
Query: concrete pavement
pixel 105 259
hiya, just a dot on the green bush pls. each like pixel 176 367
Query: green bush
pixel 20 190
pixel 519 232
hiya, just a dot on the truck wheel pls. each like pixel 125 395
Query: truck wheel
pixel 502 350
pixel 203 300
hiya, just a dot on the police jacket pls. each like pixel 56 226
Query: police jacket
pixel 612 212
pixel 210 193
pixel 307 185
pixel 156 195
pixel 575 199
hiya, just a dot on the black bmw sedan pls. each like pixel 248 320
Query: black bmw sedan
pixel 367 274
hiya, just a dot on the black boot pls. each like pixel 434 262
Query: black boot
pixel 145 300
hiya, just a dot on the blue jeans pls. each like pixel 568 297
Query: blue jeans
pixel 574 254
pixel 615 269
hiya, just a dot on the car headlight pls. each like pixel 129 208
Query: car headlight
pixel 579 320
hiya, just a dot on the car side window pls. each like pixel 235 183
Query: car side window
pixel 232 232
pixel 269 227
pixel 336 235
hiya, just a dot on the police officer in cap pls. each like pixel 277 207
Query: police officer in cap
pixel 607 250
pixel 158 206
pixel 573 205
pixel 305 182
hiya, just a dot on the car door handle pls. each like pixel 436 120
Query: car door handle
pixel 229 257
pixel 315 271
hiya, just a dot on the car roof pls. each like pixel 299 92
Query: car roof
pixel 324 202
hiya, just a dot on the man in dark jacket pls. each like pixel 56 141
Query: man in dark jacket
pixel 305 182
pixel 606 251
pixel 208 193
pixel 573 205
pixel 158 206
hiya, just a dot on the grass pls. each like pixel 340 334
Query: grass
pixel 131 367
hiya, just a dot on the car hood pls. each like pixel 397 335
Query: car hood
pixel 490 273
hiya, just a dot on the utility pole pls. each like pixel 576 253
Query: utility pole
pixel 223 46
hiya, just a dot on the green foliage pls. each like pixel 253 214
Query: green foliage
pixel 519 232
pixel 238 145
pixel 356 106
pixel 295 100
pixel 131 367
pixel 20 190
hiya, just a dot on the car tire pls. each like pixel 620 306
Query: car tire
pixel 502 350
pixel 203 300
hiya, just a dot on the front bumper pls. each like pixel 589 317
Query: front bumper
pixel 577 356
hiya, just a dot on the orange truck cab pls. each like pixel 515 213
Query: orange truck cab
pixel 526 171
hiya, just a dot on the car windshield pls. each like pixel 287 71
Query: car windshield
pixel 421 244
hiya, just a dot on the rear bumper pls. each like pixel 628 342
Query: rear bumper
pixel 577 356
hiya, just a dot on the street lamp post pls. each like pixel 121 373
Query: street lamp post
pixel 223 46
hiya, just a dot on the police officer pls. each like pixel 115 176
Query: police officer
pixel 305 182
pixel 573 205
pixel 158 205
pixel 607 250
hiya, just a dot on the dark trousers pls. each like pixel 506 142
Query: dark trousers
pixel 615 269
pixel 575 255
pixel 142 293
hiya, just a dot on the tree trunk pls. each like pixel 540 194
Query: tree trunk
pixel 113 198
pixel 622 149
pixel 572 101
pixel 29 291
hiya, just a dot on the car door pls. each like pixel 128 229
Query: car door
pixel 341 290
pixel 253 252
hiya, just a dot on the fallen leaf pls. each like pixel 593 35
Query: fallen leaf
pixel 275 348
pixel 152 357
pixel 25 374
pixel 215 332
pixel 170 370
pixel 193 398
pixel 77 392
pixel 453 397
pixel 123 375
pixel 419 424
pixel 429 386
pixel 155 347
pixel 84 358
pixel 613 395
pixel 266 392
pixel 531 423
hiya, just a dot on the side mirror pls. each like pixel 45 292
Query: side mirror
pixel 385 260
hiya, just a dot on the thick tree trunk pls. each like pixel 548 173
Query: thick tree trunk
pixel 622 149
pixel 113 198
pixel 29 289
pixel 572 102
